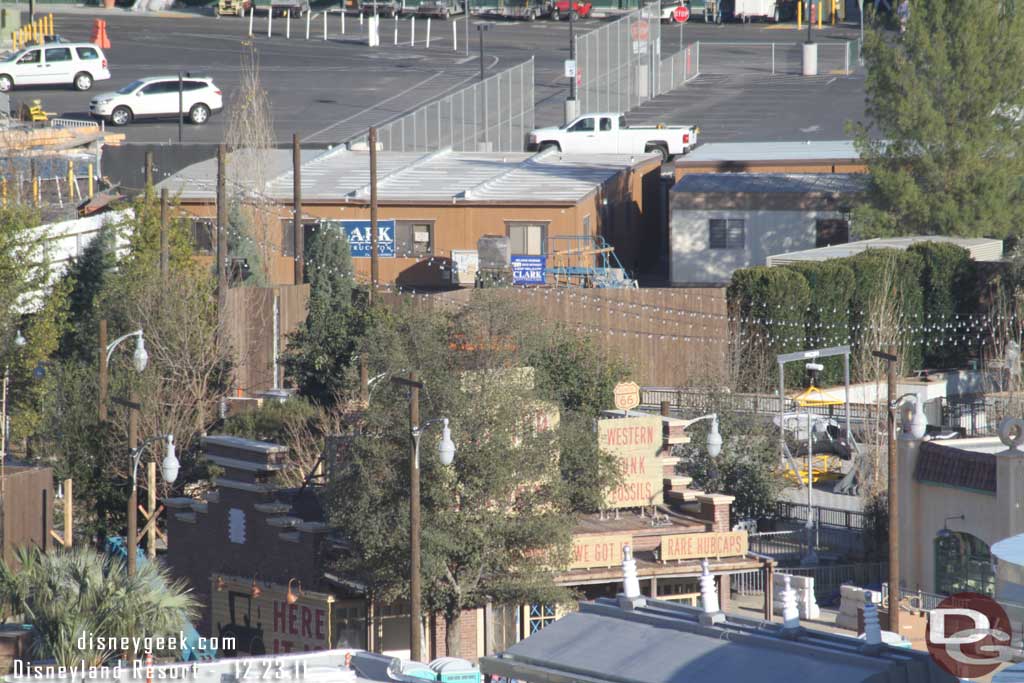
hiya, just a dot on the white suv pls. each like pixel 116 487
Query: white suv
pixel 77 64
pixel 158 97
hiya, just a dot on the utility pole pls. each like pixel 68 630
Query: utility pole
pixel 374 260
pixel 222 219
pixel 414 524
pixel 149 172
pixel 165 264
pixel 151 509
pixel 103 372
pixel 133 498
pixel 298 239
pixel 890 358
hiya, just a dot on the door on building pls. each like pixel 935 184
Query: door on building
pixel 829 231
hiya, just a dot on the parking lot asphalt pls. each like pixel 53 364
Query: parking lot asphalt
pixel 328 91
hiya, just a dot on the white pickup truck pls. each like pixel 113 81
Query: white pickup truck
pixel 609 134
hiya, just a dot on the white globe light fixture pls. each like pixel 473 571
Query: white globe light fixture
pixel 446 449
pixel 19 339
pixel 714 439
pixel 140 358
pixel 919 423
pixel 169 466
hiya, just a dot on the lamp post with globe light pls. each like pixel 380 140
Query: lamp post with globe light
pixel 140 358
pixel 446 455
pixel 168 468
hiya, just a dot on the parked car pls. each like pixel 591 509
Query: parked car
pixel 562 9
pixel 610 134
pixel 383 8
pixel 440 8
pixel 158 97
pixel 529 10
pixel 55 63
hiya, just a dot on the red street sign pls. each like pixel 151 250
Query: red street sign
pixel 639 30
pixel 681 14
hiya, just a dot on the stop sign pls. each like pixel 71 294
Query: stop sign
pixel 681 14
pixel 639 30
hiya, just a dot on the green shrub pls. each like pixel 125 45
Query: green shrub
pixel 827 320
pixel 945 283
pixel 770 304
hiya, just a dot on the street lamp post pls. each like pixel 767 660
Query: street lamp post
pixel 446 454
pixel 714 442
pixel 169 468
pixel 481 29
pixel 140 358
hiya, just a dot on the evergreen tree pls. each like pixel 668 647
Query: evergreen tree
pixel 945 141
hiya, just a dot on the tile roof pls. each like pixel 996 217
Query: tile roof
pixel 950 466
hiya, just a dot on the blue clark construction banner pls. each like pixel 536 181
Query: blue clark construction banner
pixel 528 270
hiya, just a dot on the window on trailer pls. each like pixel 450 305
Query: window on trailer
pixel 526 239
pixel 726 233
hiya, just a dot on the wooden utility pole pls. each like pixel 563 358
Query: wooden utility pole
pixel 298 239
pixel 222 219
pixel 133 499
pixel 414 524
pixel 890 358
pixel 103 372
pixel 165 262
pixel 69 523
pixel 374 261
pixel 151 509
pixel 149 172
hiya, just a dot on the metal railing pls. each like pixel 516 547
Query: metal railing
pixel 686 400
pixel 495 114
pixel 827 578
pixel 73 123
pixel 840 57
pixel 823 517
pixel 619 63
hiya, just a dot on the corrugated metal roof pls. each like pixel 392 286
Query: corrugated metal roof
pixel 771 151
pixel 771 183
pixel 447 176
pixel 980 248
pixel 666 643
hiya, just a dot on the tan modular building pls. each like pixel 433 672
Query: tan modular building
pixel 434 207
pixel 810 156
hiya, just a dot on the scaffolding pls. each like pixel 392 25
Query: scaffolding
pixel 585 261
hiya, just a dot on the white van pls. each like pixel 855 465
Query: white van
pixel 75 64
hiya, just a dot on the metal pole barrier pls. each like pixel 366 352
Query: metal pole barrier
pixel 819 14
pixel 846 58
pixel 455 36
pixel 360 20
pixel 252 13
pixel 412 31
pixel 773 59
pixel 342 21
pixel 428 32
pixel 270 19
pixel 396 28
pixel 325 24
pixel 309 18
pixel 288 24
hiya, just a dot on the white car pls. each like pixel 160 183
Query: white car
pixel 75 64
pixel 158 97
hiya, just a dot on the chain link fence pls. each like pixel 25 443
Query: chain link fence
pixel 493 115
pixel 724 58
pixel 618 64
pixel 679 68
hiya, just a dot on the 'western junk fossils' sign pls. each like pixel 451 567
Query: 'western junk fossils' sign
pixel 635 441
pixel 604 550
pixel 699 546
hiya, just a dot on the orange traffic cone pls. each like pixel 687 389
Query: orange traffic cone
pixel 99 34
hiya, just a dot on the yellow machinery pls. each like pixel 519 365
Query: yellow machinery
pixel 823 467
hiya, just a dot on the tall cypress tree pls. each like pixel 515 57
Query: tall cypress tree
pixel 945 137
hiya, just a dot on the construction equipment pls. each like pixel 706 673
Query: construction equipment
pixel 585 261
pixel 34 112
